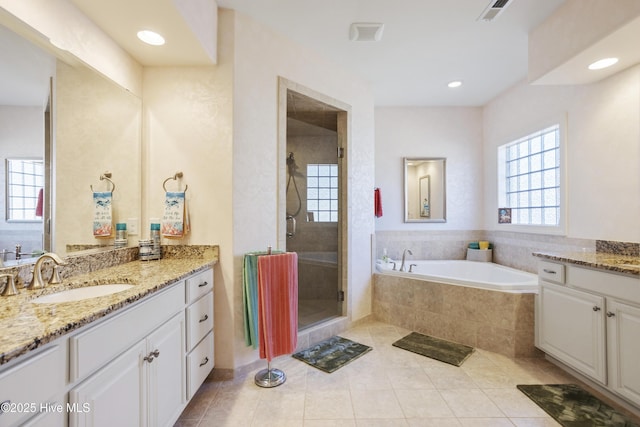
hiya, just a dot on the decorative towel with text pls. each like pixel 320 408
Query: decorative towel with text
pixel 175 221
pixel 102 215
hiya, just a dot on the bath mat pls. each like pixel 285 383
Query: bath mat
pixel 571 406
pixel 435 348
pixel 332 354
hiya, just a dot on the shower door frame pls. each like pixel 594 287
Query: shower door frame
pixel 343 131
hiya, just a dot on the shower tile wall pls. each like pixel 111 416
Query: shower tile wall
pixel 315 242
pixel 310 236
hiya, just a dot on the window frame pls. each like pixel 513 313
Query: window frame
pixel 330 188
pixel 8 184
pixel 560 228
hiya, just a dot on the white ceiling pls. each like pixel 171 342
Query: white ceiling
pixel 425 44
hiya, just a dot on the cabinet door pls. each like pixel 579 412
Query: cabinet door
pixel 572 328
pixel 623 329
pixel 167 379
pixel 113 396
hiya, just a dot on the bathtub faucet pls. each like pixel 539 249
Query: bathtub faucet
pixel 404 254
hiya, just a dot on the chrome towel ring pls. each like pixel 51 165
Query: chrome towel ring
pixel 106 176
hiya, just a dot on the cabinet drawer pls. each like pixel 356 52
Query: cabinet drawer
pixel 199 319
pixel 98 345
pixel 30 383
pixel 552 272
pixel 199 363
pixel 199 284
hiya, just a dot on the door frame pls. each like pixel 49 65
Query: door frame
pixel 343 131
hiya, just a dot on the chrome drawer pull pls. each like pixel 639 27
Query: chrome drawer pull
pixel 151 356
pixel 206 360
pixel 546 270
pixel 202 285
pixel 203 318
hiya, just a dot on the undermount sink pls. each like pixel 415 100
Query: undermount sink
pixel 86 292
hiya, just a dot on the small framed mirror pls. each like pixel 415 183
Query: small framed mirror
pixel 424 189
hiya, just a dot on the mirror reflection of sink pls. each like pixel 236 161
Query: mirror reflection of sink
pixel 86 292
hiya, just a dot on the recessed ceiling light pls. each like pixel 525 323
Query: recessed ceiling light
pixel 603 63
pixel 151 37
pixel 455 83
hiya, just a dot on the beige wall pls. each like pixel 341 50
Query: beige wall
pixel 261 56
pixel 451 132
pixel 602 156
pixel 21 136
pixel 218 125
pixel 188 127
pixel 98 129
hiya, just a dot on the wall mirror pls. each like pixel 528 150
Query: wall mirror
pixel 89 125
pixel 424 190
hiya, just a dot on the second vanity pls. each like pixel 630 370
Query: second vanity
pixel 135 357
pixel 588 318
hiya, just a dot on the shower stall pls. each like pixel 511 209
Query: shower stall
pixel 313 188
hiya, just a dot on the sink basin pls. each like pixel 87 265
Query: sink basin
pixel 86 292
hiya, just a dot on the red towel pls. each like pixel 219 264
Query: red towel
pixel 377 203
pixel 40 203
pixel 277 304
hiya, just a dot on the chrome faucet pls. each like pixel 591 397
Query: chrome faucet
pixel 37 282
pixel 404 254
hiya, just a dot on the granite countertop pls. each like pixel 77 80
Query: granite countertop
pixel 599 260
pixel 26 325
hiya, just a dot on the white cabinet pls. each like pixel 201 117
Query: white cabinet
pixel 138 367
pixel 33 387
pixel 199 314
pixel 572 328
pixel 115 395
pixel 167 377
pixel 590 320
pixel 143 386
pixel 623 331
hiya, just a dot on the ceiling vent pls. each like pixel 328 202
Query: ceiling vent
pixel 365 32
pixel 494 9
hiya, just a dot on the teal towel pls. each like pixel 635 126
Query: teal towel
pixel 250 297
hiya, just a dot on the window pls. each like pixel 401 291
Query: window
pixel 25 179
pixel 529 178
pixel 322 192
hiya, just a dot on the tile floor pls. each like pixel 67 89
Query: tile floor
pixel 385 387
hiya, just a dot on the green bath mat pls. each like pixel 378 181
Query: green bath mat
pixel 571 406
pixel 332 354
pixel 435 348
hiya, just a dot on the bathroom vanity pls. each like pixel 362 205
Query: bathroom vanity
pixel 588 318
pixel 135 357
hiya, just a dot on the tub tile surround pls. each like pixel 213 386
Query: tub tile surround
pixel 511 249
pixel 496 321
pixel 28 326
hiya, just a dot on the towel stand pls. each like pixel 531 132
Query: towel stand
pixel 269 377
